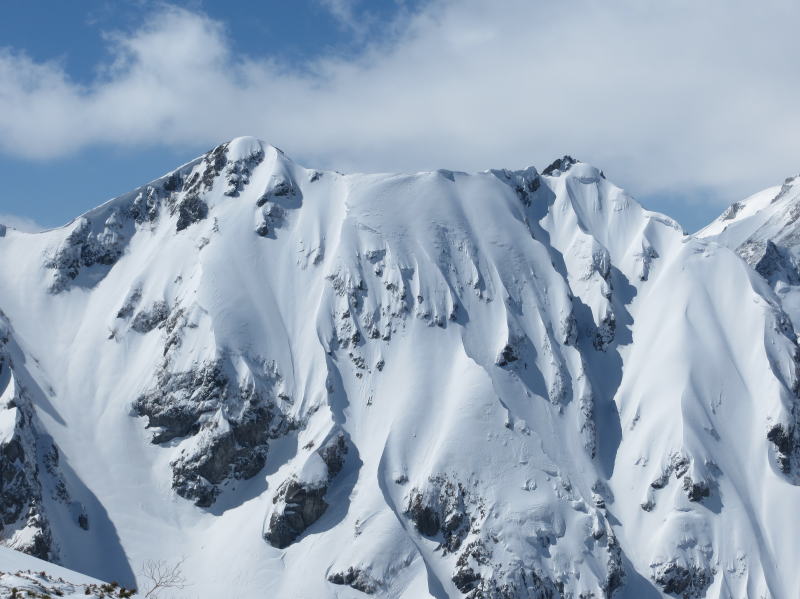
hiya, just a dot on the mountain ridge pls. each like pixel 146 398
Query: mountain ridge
pixel 314 350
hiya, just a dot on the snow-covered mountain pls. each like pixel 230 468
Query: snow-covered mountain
pixel 507 384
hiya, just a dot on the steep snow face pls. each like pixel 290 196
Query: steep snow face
pixel 502 384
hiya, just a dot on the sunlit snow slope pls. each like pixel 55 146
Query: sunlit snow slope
pixel 22 575
pixel 764 230
pixel 494 385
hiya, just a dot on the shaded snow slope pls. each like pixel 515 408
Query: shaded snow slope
pixel 493 385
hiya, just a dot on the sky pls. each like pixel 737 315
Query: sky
pixel 687 105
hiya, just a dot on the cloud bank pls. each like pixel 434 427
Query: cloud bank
pixel 664 96
pixel 20 223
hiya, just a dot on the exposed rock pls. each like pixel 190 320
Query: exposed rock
pixel 425 518
pixel 519 583
pixel 130 304
pixel 569 328
pixel 298 503
pixel 280 187
pixel 507 355
pixel 525 183
pixel 262 228
pixel 191 209
pixel 145 205
pixel 443 507
pixel 560 165
pixel 298 506
pixel 678 465
pixel 615 570
pixel 686 581
pixel 784 439
pixel 147 320
pixel 23 521
pixel 231 451
pixel 84 248
pixel 269 218
pixel 466 579
pixel 647 256
pixel 770 261
pixel 334 453
pixel 695 491
pixel 606 331
pixel 467 576
pixel 731 211
pixel 355 578
pixel 213 163
pixel 588 426
pixel 237 173
pixel 282 194
pixel 600 264
pixel 601 494
pixel 232 425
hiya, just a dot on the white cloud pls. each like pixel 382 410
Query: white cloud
pixel 663 96
pixel 20 223
pixel 344 12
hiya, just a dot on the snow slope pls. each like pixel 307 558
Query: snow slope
pixel 15 561
pixel 493 385
pixel 22 575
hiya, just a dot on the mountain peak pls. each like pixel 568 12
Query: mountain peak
pixel 241 148
pixel 560 165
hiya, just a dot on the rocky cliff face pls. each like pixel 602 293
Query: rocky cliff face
pixel 32 487
pixel 508 384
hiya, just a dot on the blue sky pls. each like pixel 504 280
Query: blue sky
pixel 52 191
pixel 680 103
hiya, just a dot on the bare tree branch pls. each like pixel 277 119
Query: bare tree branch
pixel 162 575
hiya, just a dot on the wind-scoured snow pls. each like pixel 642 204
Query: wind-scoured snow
pixel 506 384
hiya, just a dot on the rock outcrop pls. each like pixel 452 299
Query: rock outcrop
pixel 300 500
pixel 227 425
pixel 30 476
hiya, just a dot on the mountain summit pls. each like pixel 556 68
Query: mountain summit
pixel 499 385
